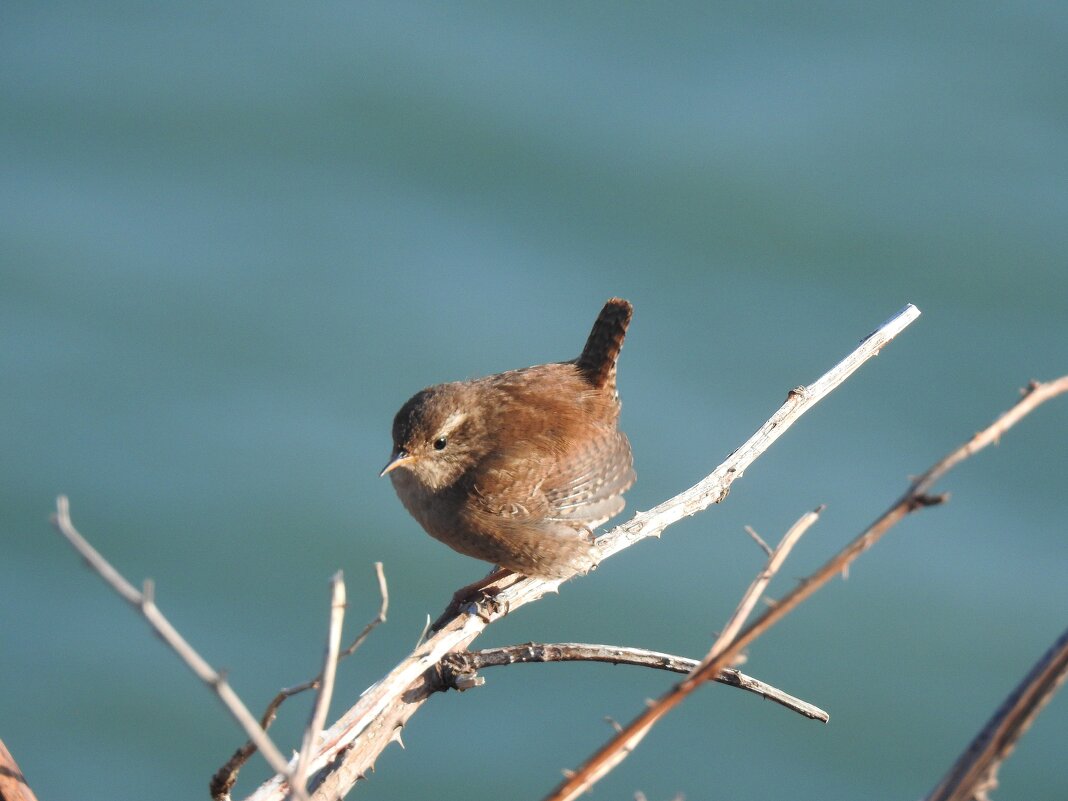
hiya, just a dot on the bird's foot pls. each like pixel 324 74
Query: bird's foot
pixel 479 595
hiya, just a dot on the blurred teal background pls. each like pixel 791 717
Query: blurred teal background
pixel 235 238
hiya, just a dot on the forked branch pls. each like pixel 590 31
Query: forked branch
pixel 226 776
pixel 352 745
pixel 724 650
pixel 916 497
pixel 466 663
pixel 144 602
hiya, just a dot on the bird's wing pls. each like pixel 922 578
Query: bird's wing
pixel 533 509
pixel 587 485
pixel 581 486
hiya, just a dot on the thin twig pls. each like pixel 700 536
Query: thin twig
pixel 226 776
pixel 756 590
pixel 722 653
pixel 380 618
pixel 466 662
pixel 352 745
pixel 144 603
pixel 326 688
pixel 974 774
pixel 758 540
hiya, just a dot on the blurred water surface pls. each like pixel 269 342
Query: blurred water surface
pixel 234 239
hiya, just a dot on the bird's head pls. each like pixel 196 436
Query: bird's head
pixel 440 434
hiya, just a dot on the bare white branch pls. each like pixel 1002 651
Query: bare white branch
pixel 714 487
pixel 326 684
pixel 226 776
pixel 143 603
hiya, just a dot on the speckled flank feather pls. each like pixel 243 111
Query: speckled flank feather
pixel 589 486
pixel 598 360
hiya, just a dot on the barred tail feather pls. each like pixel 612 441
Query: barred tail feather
pixel 598 359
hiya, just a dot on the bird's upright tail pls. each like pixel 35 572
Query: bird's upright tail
pixel 598 359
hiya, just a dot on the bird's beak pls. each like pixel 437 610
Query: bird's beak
pixel 399 458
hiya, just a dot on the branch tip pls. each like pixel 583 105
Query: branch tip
pixel 758 539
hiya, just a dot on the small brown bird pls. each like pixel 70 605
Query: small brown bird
pixel 517 468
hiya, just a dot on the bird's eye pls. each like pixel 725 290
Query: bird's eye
pixel 440 443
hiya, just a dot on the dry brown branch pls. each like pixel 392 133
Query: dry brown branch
pixel 226 776
pixel 463 663
pixel 13 786
pixel 975 773
pixel 143 601
pixel 916 497
pixel 749 600
pixel 326 685
pixel 352 744
pixel 722 653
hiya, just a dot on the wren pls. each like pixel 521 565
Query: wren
pixel 518 468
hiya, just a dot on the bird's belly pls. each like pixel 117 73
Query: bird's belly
pixel 541 548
